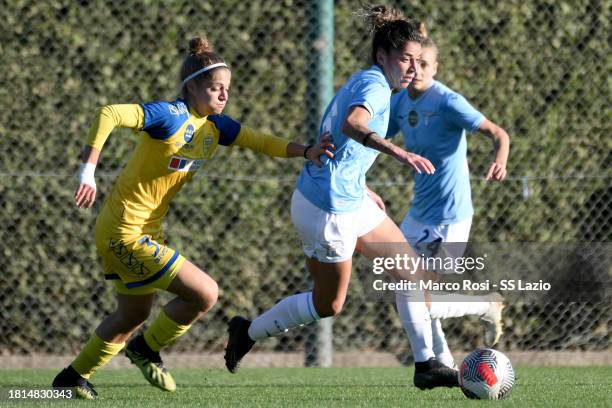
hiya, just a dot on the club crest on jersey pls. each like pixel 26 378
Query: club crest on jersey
pixel 413 118
pixel 427 116
pixel 184 164
pixel 208 142
pixel 189 133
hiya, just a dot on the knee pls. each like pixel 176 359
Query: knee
pixel 208 295
pixel 329 308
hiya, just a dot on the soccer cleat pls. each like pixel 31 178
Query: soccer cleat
pixel 238 344
pixel 69 378
pixel 492 320
pixel 150 364
pixel 432 373
pixel 453 366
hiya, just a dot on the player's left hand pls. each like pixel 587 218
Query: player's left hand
pixel 85 195
pixel 324 147
pixel 379 201
pixel 326 137
pixel 497 172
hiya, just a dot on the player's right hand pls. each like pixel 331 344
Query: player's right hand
pixel 419 163
pixel 377 199
pixel 85 195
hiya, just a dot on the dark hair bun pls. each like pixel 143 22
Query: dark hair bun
pixel 378 16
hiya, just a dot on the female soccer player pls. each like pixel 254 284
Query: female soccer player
pixel 176 139
pixel 334 212
pixel 433 120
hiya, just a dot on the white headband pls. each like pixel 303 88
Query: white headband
pixel 201 71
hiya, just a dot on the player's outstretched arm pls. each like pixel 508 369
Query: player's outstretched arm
pixel 311 152
pixel 279 147
pixel 355 127
pixel 109 117
pixel 501 149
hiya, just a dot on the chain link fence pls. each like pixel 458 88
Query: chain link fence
pixel 541 69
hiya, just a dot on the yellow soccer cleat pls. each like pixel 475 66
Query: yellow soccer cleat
pixel 150 364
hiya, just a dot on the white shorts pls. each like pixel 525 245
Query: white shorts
pixel 328 237
pixel 418 234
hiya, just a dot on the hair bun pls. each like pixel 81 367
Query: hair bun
pixel 422 29
pixel 199 45
pixel 378 16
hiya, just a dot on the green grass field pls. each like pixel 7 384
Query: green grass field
pixel 300 387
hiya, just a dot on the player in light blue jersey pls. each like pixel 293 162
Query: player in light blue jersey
pixel 433 120
pixel 335 213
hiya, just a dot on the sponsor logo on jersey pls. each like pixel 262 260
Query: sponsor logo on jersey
pixel 178 109
pixel 413 118
pixel 178 163
pixel 188 136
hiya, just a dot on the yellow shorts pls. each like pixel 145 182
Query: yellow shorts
pixel 138 266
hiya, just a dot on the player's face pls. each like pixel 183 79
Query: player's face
pixel 212 95
pixel 400 66
pixel 429 68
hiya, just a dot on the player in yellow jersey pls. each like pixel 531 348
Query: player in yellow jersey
pixel 176 138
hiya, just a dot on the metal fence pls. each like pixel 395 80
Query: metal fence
pixel 538 68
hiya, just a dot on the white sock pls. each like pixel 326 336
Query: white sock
pixel 417 324
pixel 456 305
pixel 292 311
pixel 440 347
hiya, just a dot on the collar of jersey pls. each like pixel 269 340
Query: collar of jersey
pixel 422 95
pixel 191 111
pixel 375 67
pixel 380 70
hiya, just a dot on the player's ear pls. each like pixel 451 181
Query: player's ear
pixel 435 68
pixel 381 57
pixel 191 87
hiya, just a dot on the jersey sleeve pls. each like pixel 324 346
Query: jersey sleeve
pixel 228 128
pixel 113 116
pixel 459 112
pixel 163 119
pixel 232 133
pixel 261 142
pixel 372 95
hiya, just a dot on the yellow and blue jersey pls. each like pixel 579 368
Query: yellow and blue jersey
pixel 174 143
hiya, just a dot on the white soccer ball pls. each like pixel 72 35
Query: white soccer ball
pixel 486 374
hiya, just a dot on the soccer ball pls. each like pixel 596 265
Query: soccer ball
pixel 486 374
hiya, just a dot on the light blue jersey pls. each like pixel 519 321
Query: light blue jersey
pixel 339 185
pixel 434 126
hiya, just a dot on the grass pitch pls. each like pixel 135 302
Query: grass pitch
pixel 315 387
